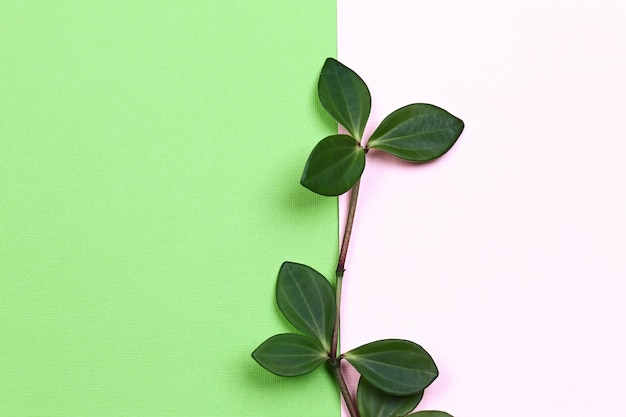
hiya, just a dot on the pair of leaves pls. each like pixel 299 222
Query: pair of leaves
pixel 374 403
pixel 307 300
pixel 417 132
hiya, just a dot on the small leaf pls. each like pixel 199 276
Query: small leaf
pixel 334 166
pixel 307 300
pixel 345 96
pixel 429 413
pixel 373 402
pixel 417 132
pixel 289 354
pixel 394 366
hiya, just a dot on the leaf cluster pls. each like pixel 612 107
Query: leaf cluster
pixel 394 372
pixel 418 132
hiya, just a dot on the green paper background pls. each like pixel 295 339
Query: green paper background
pixel 150 153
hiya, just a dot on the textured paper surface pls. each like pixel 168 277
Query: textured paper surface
pixel 150 153
pixel 505 259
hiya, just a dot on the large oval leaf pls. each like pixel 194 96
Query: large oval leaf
pixel 334 166
pixel 289 354
pixel 307 300
pixel 394 366
pixel 373 402
pixel 417 132
pixel 345 96
pixel 430 413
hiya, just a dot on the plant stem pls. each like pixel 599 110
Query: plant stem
pixel 343 252
pixel 354 195
pixel 335 365
pixel 334 343
pixel 335 362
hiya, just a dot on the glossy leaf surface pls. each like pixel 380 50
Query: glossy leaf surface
pixel 430 413
pixel 394 366
pixel 345 96
pixel 289 354
pixel 372 402
pixel 334 166
pixel 307 300
pixel 417 132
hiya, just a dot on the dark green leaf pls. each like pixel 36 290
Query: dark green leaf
pixel 373 402
pixel 334 166
pixel 394 366
pixel 345 96
pixel 307 300
pixel 417 132
pixel 289 354
pixel 428 413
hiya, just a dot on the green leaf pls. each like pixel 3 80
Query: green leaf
pixel 429 413
pixel 307 300
pixel 345 96
pixel 394 366
pixel 334 166
pixel 417 132
pixel 373 402
pixel 289 354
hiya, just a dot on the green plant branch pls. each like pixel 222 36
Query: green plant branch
pixel 417 132
pixel 343 253
pixel 334 346
pixel 335 366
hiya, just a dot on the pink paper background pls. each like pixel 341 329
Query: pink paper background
pixel 505 259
